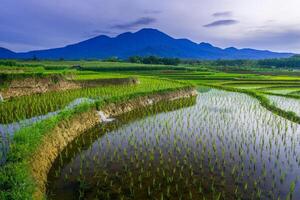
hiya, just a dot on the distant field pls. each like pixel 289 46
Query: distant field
pixel 81 63
pixel 189 73
pixel 93 75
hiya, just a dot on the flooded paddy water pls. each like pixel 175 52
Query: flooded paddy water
pixel 220 145
pixel 288 104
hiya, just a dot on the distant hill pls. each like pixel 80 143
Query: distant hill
pixel 145 42
pixel 5 53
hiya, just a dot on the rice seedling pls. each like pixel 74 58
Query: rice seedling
pixel 226 146
pixel 288 104
pixel 25 107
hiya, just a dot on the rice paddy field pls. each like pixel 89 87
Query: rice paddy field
pixel 238 139
pixel 226 146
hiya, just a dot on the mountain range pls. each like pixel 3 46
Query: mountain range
pixel 145 42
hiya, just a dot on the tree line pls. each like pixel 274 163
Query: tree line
pixel 154 60
pixel 292 62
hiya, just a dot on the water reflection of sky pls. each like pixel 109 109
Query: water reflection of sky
pixel 249 136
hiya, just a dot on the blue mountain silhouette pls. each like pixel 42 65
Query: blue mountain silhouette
pixel 145 42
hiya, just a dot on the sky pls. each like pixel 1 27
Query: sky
pixel 262 24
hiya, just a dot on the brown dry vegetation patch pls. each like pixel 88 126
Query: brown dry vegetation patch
pixel 29 86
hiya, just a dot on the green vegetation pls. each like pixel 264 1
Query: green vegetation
pixel 39 104
pixel 15 179
pixel 288 63
pixel 154 60
pixel 196 72
pixel 272 84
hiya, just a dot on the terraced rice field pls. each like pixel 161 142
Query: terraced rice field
pixel 30 106
pixel 219 145
pixel 226 146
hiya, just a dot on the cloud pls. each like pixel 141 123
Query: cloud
pixel 274 38
pixel 284 38
pixel 139 22
pixel 98 32
pixel 222 14
pixel 152 11
pixel 50 25
pixel 103 31
pixel 225 22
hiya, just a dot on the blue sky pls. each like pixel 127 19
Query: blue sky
pixel 262 24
